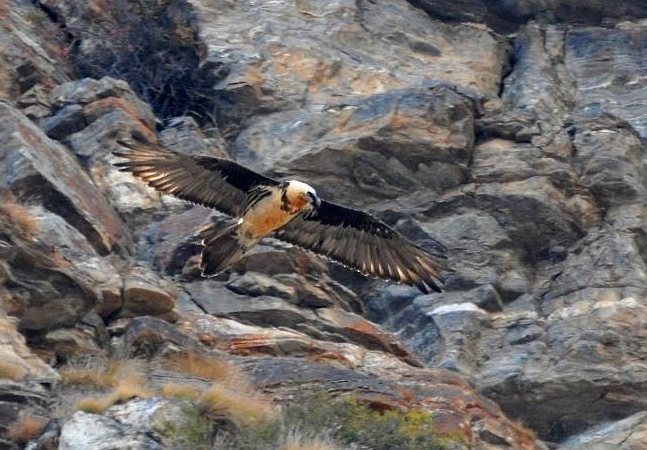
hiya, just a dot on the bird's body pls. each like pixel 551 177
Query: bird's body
pixel 275 209
pixel 288 210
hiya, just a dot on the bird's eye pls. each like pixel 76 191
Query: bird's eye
pixel 314 200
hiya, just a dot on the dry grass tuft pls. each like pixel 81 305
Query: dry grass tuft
pixel 19 215
pixel 203 366
pixel 125 377
pixel 25 429
pixel 105 376
pixel 12 371
pixel 128 387
pixel 181 390
pixel 85 377
pixel 94 405
pixel 133 385
pixel 241 407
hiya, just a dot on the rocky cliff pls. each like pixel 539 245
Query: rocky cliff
pixel 513 133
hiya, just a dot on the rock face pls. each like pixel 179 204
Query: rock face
pixel 95 432
pixel 628 433
pixel 36 167
pixel 508 15
pixel 524 155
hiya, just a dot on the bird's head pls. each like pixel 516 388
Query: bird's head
pixel 302 196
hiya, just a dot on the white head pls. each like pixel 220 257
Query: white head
pixel 299 192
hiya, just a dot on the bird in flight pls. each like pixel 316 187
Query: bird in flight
pixel 287 210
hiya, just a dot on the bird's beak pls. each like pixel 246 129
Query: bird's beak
pixel 315 201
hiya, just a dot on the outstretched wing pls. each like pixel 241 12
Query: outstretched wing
pixel 363 242
pixel 213 182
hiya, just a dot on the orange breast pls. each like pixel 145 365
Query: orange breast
pixel 298 202
pixel 265 217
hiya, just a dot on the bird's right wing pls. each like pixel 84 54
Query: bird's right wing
pixel 213 182
pixel 361 241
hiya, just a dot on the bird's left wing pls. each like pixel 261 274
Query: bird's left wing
pixel 361 241
pixel 217 183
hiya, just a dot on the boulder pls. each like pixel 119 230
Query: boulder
pixel 97 432
pixel 625 434
pixel 33 51
pixel 145 293
pixel 37 168
pixel 18 361
pixel 43 288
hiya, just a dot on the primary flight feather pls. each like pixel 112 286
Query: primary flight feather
pixel 287 210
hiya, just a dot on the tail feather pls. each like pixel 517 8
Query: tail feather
pixel 222 248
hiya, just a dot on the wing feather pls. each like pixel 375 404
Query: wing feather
pixel 213 182
pixel 361 241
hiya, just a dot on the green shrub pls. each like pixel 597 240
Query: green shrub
pixel 351 421
pixel 195 432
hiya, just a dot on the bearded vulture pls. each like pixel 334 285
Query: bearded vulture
pixel 287 210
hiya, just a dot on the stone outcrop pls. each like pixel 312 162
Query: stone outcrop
pixel 508 16
pixel 623 434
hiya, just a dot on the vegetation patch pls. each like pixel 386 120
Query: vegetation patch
pixel 26 428
pixel 243 408
pixel 154 46
pixel 11 371
pixel 183 391
pixel 232 414
pixel 20 216
pixel 127 388
pixel 101 375
pixel 194 432
pixel 351 421
pixel 205 366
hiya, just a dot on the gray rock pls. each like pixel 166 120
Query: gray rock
pixel 87 266
pixel 610 160
pixel 539 81
pixel 35 102
pixel 363 147
pixel 254 285
pixel 150 336
pixel 18 399
pixel 499 160
pixel 89 90
pixel 31 53
pixel 17 359
pixel 96 432
pixel 369 47
pixel 609 66
pixel 480 250
pixel 611 261
pixel 170 423
pixel 46 290
pixel 507 16
pixel 89 115
pixel 145 293
pixel 626 434
pixel 35 167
